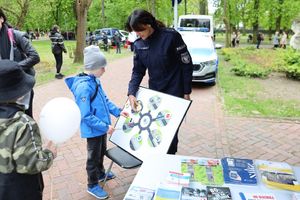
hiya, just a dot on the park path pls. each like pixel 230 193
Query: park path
pixel 206 132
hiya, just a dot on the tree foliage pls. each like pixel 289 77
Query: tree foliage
pixel 243 15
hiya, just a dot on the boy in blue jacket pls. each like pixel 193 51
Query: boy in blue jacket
pixel 95 110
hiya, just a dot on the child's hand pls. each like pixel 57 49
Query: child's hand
pixel 124 114
pixel 110 130
pixel 52 147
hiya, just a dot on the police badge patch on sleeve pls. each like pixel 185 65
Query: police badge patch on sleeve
pixel 185 58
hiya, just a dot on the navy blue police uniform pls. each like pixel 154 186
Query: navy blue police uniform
pixel 164 54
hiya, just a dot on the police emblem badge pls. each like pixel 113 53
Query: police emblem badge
pixel 185 58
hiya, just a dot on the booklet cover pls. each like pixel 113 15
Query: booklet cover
pixel 204 171
pixel 178 178
pixel 256 196
pixel 165 192
pixel 239 171
pixel 278 175
pixel 218 193
pixel 138 193
pixel 191 193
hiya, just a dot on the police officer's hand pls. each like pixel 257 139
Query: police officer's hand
pixel 187 97
pixel 133 102
pixel 110 130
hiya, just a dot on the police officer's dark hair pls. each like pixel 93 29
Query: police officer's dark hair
pixel 139 18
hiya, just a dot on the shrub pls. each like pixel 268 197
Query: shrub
pixel 292 57
pixel 292 62
pixel 293 71
pixel 250 70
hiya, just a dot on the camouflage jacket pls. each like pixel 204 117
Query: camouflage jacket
pixel 21 146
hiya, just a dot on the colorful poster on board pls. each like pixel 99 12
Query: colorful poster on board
pixel 151 129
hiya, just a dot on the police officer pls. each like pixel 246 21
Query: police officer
pixel 164 54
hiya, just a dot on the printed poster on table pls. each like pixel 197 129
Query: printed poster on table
pixel 151 129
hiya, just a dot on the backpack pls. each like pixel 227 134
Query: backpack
pixel 10 33
pixel 56 49
pixel 96 91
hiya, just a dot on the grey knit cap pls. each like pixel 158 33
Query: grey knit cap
pixel 93 58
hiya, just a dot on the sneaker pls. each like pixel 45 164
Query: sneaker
pixel 59 76
pixel 109 176
pixel 97 192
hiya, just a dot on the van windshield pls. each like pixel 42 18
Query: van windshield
pixel 203 25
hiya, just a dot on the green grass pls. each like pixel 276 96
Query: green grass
pixel 45 70
pixel 241 94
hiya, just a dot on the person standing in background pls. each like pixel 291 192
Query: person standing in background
pixel 15 46
pixel 57 46
pixel 164 54
pixel 237 39
pixel 260 37
pixel 276 40
pixel 233 39
pixel 117 40
pixel 283 40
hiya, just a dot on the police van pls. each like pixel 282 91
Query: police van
pixel 197 23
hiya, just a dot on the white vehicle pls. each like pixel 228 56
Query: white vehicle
pixel 197 23
pixel 204 56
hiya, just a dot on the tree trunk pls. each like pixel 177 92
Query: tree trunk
pixel 255 23
pixel 153 8
pixel 278 18
pixel 227 24
pixel 203 8
pixel 24 7
pixel 103 13
pixel 82 7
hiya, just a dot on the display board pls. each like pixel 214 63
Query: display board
pixel 151 129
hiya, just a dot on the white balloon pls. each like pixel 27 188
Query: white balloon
pixel 59 119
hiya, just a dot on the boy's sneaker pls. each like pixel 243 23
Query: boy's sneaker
pixel 97 192
pixel 109 176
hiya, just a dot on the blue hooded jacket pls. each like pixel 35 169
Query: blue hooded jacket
pixel 95 115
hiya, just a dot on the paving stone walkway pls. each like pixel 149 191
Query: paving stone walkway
pixel 206 132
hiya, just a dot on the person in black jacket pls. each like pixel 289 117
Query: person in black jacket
pixel 15 46
pixel 164 54
pixel 57 47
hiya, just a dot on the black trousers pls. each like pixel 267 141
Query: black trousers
pixel 96 148
pixel 59 62
pixel 118 48
pixel 29 110
pixel 16 186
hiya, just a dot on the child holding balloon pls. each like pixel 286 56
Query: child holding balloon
pixel 22 158
pixel 95 108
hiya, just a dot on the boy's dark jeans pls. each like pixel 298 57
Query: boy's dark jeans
pixel 96 148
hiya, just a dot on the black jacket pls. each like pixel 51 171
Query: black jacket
pixel 57 43
pixel 164 54
pixel 24 53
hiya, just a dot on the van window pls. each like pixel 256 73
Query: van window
pixel 202 24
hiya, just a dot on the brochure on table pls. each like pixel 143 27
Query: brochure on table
pixel 156 169
pixel 151 129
